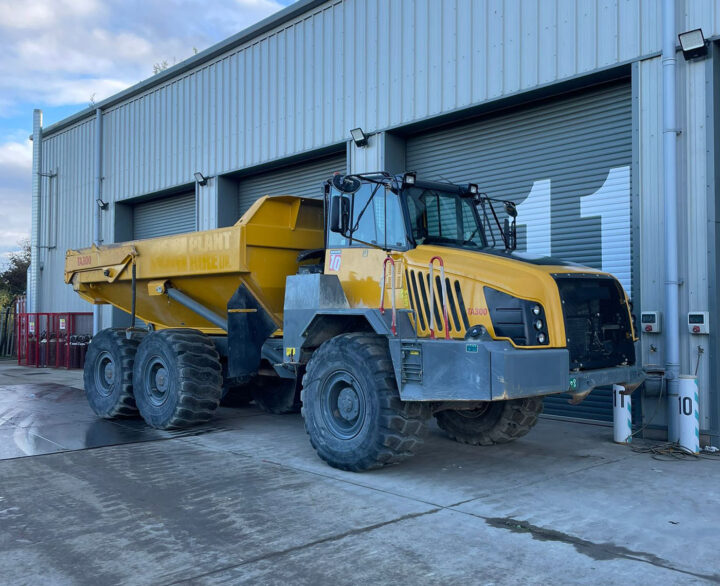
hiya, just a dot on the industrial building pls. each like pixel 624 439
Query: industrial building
pixel 556 105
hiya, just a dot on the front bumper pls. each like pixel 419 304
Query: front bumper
pixel 457 370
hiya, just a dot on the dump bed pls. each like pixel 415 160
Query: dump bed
pixel 260 251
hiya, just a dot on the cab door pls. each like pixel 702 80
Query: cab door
pixel 377 227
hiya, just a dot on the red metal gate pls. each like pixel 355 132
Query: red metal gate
pixel 56 340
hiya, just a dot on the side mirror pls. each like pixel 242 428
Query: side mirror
pixel 510 209
pixel 339 214
pixel 346 183
pixel 510 234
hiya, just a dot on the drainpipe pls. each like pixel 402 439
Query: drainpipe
pixel 34 272
pixel 97 230
pixel 672 317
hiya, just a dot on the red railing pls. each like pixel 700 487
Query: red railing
pixel 392 293
pixel 443 289
pixel 55 340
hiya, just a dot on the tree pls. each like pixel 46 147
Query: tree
pixel 14 278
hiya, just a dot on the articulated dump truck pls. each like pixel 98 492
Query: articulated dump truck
pixel 388 301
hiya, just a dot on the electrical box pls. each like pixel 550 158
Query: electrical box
pixel 699 322
pixel 650 322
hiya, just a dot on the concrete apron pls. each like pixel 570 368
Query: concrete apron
pixel 244 499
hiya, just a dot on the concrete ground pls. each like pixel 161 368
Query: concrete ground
pixel 245 500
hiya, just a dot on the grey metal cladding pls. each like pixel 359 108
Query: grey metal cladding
pixel 302 85
pixel 572 142
pixel 303 179
pixel 163 217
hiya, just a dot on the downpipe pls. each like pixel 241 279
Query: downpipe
pixel 672 322
pixel 97 225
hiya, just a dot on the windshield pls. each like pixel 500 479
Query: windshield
pixel 443 217
pixel 376 219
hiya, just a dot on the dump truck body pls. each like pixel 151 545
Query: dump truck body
pixel 338 298
pixel 259 251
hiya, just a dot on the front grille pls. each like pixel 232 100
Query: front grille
pixel 597 323
pixel 419 294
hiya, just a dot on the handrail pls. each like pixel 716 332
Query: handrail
pixel 392 294
pixel 444 297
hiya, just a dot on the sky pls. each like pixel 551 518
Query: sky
pixel 60 55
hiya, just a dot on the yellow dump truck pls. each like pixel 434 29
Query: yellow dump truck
pixel 386 302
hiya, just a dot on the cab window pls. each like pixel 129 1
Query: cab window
pixel 377 220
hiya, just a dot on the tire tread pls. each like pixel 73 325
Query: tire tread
pixel 401 428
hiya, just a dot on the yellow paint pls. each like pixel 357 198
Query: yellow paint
pixel 242 310
pixel 361 269
pixel 260 250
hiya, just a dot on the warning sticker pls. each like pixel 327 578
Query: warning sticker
pixel 335 260
pixel 62 323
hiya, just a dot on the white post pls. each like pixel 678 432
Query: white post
pixel 688 415
pixel 622 416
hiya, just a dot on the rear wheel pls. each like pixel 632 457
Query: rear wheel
pixel 493 422
pixel 107 375
pixel 352 408
pixel 177 378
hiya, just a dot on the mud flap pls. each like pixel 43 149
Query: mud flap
pixel 249 325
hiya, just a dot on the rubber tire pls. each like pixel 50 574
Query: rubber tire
pixel 194 378
pixel 111 344
pixel 277 395
pixel 391 430
pixel 502 422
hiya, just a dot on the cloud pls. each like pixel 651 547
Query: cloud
pixel 15 194
pixel 65 51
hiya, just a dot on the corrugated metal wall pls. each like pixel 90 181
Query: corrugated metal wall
pixel 67 205
pixel 304 180
pixel 555 161
pixel 567 164
pixel 162 217
pixel 305 84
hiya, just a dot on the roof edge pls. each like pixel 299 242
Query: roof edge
pixel 254 31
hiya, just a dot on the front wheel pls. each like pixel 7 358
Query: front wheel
pixel 352 408
pixel 492 422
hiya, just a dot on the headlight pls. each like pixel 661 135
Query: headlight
pixel 521 320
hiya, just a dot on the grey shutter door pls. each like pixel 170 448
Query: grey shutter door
pixel 303 179
pixel 567 163
pixel 163 217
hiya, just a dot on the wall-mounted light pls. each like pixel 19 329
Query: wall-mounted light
pixel 200 178
pixel 360 138
pixel 693 44
pixel 103 205
pixel 409 179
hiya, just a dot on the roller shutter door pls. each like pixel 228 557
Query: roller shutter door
pixel 303 179
pixel 162 217
pixel 567 163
